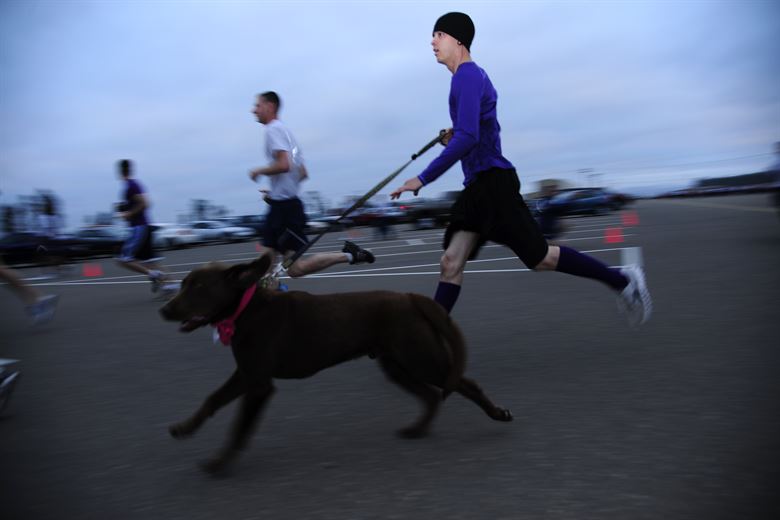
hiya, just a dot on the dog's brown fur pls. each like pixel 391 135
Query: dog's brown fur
pixel 296 334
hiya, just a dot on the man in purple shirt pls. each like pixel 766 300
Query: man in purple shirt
pixel 137 252
pixel 490 206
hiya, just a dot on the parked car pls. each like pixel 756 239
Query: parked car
pixel 376 214
pixel 239 233
pixel 315 226
pixel 209 231
pixel 215 231
pixel 99 240
pixel 316 222
pixel 585 201
pixel 172 236
pixel 254 222
pixel 24 247
pixel 428 213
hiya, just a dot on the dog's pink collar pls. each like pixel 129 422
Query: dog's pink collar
pixel 227 327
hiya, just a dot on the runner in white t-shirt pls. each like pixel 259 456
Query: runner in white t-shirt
pixel 286 219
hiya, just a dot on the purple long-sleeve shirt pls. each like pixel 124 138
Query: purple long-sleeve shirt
pixel 476 140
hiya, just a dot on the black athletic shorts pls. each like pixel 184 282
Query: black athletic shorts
pixel 138 245
pixel 492 206
pixel 285 215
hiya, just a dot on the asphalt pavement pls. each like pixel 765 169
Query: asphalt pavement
pixel 677 419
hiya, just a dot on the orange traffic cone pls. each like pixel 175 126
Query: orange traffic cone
pixel 613 235
pixel 92 270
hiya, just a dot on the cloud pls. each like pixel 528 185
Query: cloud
pixel 610 86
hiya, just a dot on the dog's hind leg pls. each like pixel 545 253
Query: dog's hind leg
pixel 430 397
pixel 253 403
pixel 469 389
pixel 230 390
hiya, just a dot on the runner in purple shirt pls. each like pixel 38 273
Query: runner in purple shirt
pixel 490 206
pixel 137 252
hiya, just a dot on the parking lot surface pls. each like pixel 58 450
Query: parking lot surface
pixel 677 419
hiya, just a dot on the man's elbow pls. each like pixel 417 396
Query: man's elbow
pixel 282 166
pixel 470 140
pixel 464 141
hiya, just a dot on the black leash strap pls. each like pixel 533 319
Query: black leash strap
pixel 291 260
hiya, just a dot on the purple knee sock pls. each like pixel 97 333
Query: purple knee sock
pixel 579 264
pixel 447 294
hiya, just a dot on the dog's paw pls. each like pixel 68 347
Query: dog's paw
pixel 412 432
pixel 182 430
pixel 502 414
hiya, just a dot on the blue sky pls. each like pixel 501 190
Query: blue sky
pixel 643 93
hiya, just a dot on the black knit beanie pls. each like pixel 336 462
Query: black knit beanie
pixel 457 25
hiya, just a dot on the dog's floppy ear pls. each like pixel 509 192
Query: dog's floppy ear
pixel 245 275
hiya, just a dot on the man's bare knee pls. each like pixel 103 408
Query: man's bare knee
pixel 550 260
pixel 295 272
pixel 544 265
pixel 449 267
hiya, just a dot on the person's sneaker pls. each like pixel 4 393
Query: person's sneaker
pixel 42 311
pixel 156 277
pixel 169 290
pixel 8 381
pixel 359 255
pixel 635 299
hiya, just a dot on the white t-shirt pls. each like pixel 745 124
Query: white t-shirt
pixel 277 137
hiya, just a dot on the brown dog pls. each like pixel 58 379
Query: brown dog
pixel 296 334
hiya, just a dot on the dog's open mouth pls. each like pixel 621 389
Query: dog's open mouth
pixel 193 323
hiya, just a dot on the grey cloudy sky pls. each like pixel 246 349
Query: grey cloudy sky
pixel 643 93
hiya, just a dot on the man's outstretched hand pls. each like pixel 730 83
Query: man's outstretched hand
pixel 414 184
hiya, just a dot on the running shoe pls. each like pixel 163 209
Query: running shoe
pixel 634 300
pixel 8 381
pixel 157 278
pixel 169 290
pixel 359 255
pixel 42 311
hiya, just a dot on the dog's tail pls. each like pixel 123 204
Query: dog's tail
pixel 451 336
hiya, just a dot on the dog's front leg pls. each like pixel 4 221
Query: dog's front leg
pixel 252 405
pixel 230 390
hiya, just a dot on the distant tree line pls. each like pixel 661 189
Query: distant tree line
pixel 748 179
pixel 25 214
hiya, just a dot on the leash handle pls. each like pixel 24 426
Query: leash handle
pixel 362 200
pixel 430 145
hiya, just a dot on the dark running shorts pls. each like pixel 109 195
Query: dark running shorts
pixel 285 215
pixel 492 206
pixel 138 246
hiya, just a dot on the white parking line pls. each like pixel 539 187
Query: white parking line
pixel 628 255
pixel 470 262
pixel 584 230
pixel 96 281
pixel 590 218
pixel 417 273
pixel 718 205
pixel 590 223
pixel 89 282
